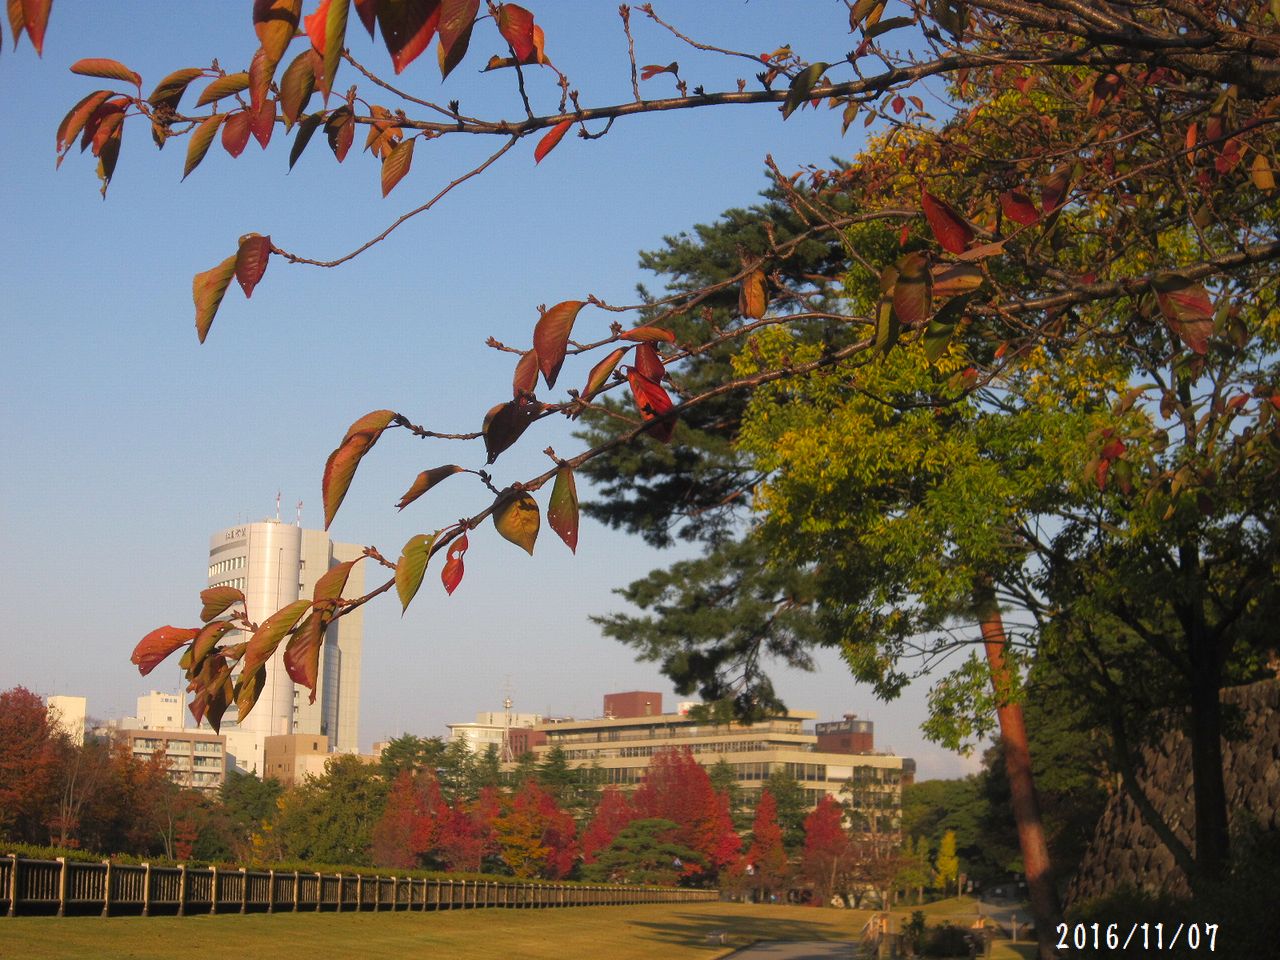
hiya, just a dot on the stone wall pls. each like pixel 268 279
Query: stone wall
pixel 1126 852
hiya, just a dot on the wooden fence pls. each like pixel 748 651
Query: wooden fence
pixel 65 887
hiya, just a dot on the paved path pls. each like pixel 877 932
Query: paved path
pixel 801 950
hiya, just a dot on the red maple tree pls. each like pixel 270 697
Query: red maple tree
pixel 828 851
pixel 27 758
pixel 677 788
pixel 767 857
pixel 613 812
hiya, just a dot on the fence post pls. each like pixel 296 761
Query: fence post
pixel 213 888
pixel 244 890
pixel 13 885
pixel 377 892
pixel 106 890
pixel 319 890
pixel 359 892
pixel 271 890
pixel 62 886
pixel 395 891
pixel 339 893
pixel 182 889
pixel 146 889
pixel 295 891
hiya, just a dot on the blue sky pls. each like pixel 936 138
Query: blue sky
pixel 126 443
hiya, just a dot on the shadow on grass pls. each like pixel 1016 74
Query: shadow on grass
pixel 689 928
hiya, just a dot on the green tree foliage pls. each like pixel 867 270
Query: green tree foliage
pixel 330 818
pixel 646 851
pixel 411 753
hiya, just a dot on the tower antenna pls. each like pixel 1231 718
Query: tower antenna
pixel 277 506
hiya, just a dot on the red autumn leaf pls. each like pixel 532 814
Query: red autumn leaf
pixel 235 132
pixel 262 122
pixel 649 363
pixel 1188 311
pixel 1018 207
pixel 1054 187
pixel 950 229
pixel 1113 450
pixel 515 23
pixel 35 16
pixel 407 28
pixel 158 644
pixel 653 69
pixel 551 337
pixel 302 654
pixel 525 379
pixel 913 289
pixel 451 573
pixel 77 117
pixel 251 261
pixel 653 402
pixel 562 510
pixel 548 142
pixel 367 11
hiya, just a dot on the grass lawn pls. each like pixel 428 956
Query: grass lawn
pixel 670 932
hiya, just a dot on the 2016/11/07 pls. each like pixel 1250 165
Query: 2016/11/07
pixel 1095 935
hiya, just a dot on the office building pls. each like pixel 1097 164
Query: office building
pixel 274 564
pixel 623 741
pixel 491 727
pixel 196 759
pixel 292 757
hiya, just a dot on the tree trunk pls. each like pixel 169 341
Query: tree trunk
pixel 1041 887
pixel 1208 789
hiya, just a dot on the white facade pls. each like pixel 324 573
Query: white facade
pixel 160 711
pixel 488 729
pixel 274 564
pixel 68 715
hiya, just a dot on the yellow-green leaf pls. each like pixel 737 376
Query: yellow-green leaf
pixel 516 517
pixel 1260 171
pixel 412 565
pixel 249 689
pixel 331 585
pixel 276 21
pixel 297 84
pixel 802 87
pixel 224 87
pixel 170 90
pixel 335 35
pixel 600 373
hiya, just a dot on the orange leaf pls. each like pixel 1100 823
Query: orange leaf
pixel 275 22
pixel 35 15
pixel 600 372
pixel 913 290
pixel 551 337
pixel 333 582
pixel 451 573
pixel 217 600
pixel 516 518
pixel 642 334
pixel 525 379
pixel 251 261
pixel 753 295
pixel 198 145
pixel 340 468
pixel 77 117
pixel 425 481
pixel 396 164
pixel 207 290
pixel 302 655
pixel 158 644
pixel 106 69
pixel 950 229
pixel 548 142
pixel 262 122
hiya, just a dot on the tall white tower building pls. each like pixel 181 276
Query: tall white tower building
pixel 273 564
